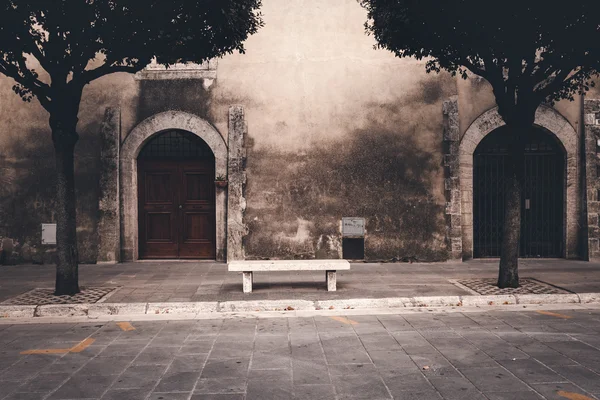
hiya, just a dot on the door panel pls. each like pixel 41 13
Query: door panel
pixel 196 225
pixel 159 187
pixel 158 209
pixel 176 209
pixel 197 186
pixel 158 226
pixel 198 210
pixel 541 208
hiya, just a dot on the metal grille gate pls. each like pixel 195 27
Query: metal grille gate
pixel 542 203
pixel 176 144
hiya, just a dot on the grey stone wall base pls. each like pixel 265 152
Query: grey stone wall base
pixel 236 202
pixel 191 309
pixel 108 209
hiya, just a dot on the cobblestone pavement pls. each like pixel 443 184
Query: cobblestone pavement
pixel 516 355
pixel 205 281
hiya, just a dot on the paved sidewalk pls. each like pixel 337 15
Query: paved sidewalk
pixel 519 355
pixel 204 281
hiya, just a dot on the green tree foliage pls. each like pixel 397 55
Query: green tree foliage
pixel 53 48
pixel 530 51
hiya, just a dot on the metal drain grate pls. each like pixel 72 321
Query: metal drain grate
pixel 40 297
pixel 488 287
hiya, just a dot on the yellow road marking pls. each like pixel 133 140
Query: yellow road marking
pixel 75 349
pixel 554 314
pixel 82 346
pixel 345 320
pixel 126 326
pixel 573 396
pixel 46 351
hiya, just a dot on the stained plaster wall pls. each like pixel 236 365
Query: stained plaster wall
pixel 27 178
pixel 476 97
pixel 335 128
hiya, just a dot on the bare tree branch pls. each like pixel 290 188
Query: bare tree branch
pixel 105 69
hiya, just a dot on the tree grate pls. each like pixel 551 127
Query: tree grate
pixel 41 297
pixel 488 286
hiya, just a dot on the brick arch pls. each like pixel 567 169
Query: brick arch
pixel 550 120
pixel 133 144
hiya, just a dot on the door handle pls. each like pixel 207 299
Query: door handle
pixel 180 206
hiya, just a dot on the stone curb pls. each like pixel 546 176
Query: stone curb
pixel 62 310
pixel 182 308
pixel 17 311
pixel 101 309
pixel 266 305
pixel 491 300
pixel 97 310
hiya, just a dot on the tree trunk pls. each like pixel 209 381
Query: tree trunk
pixel 508 276
pixel 65 137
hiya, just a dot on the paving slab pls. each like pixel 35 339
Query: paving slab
pixel 420 356
pixel 180 290
pixel 147 282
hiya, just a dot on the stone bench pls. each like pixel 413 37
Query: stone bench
pixel 249 267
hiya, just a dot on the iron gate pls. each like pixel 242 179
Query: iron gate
pixel 542 202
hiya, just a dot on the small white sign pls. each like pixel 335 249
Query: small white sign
pixel 353 226
pixel 48 233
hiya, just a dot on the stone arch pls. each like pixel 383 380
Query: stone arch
pixel 550 120
pixel 130 150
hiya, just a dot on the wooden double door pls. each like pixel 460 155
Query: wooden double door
pixel 176 209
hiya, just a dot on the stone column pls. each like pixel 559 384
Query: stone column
pixel 592 178
pixel 236 171
pixel 109 216
pixel 452 181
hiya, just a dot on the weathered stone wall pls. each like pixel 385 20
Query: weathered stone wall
pixel 109 239
pixel 27 167
pixel 159 95
pixel 296 200
pixel 335 129
pixel 476 97
pixel 452 184
pixel 386 168
pixel 236 174
pixel 592 181
pixel 27 162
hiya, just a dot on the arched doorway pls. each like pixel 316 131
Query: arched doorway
pixel 459 182
pixel 133 144
pixel 176 199
pixel 542 203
